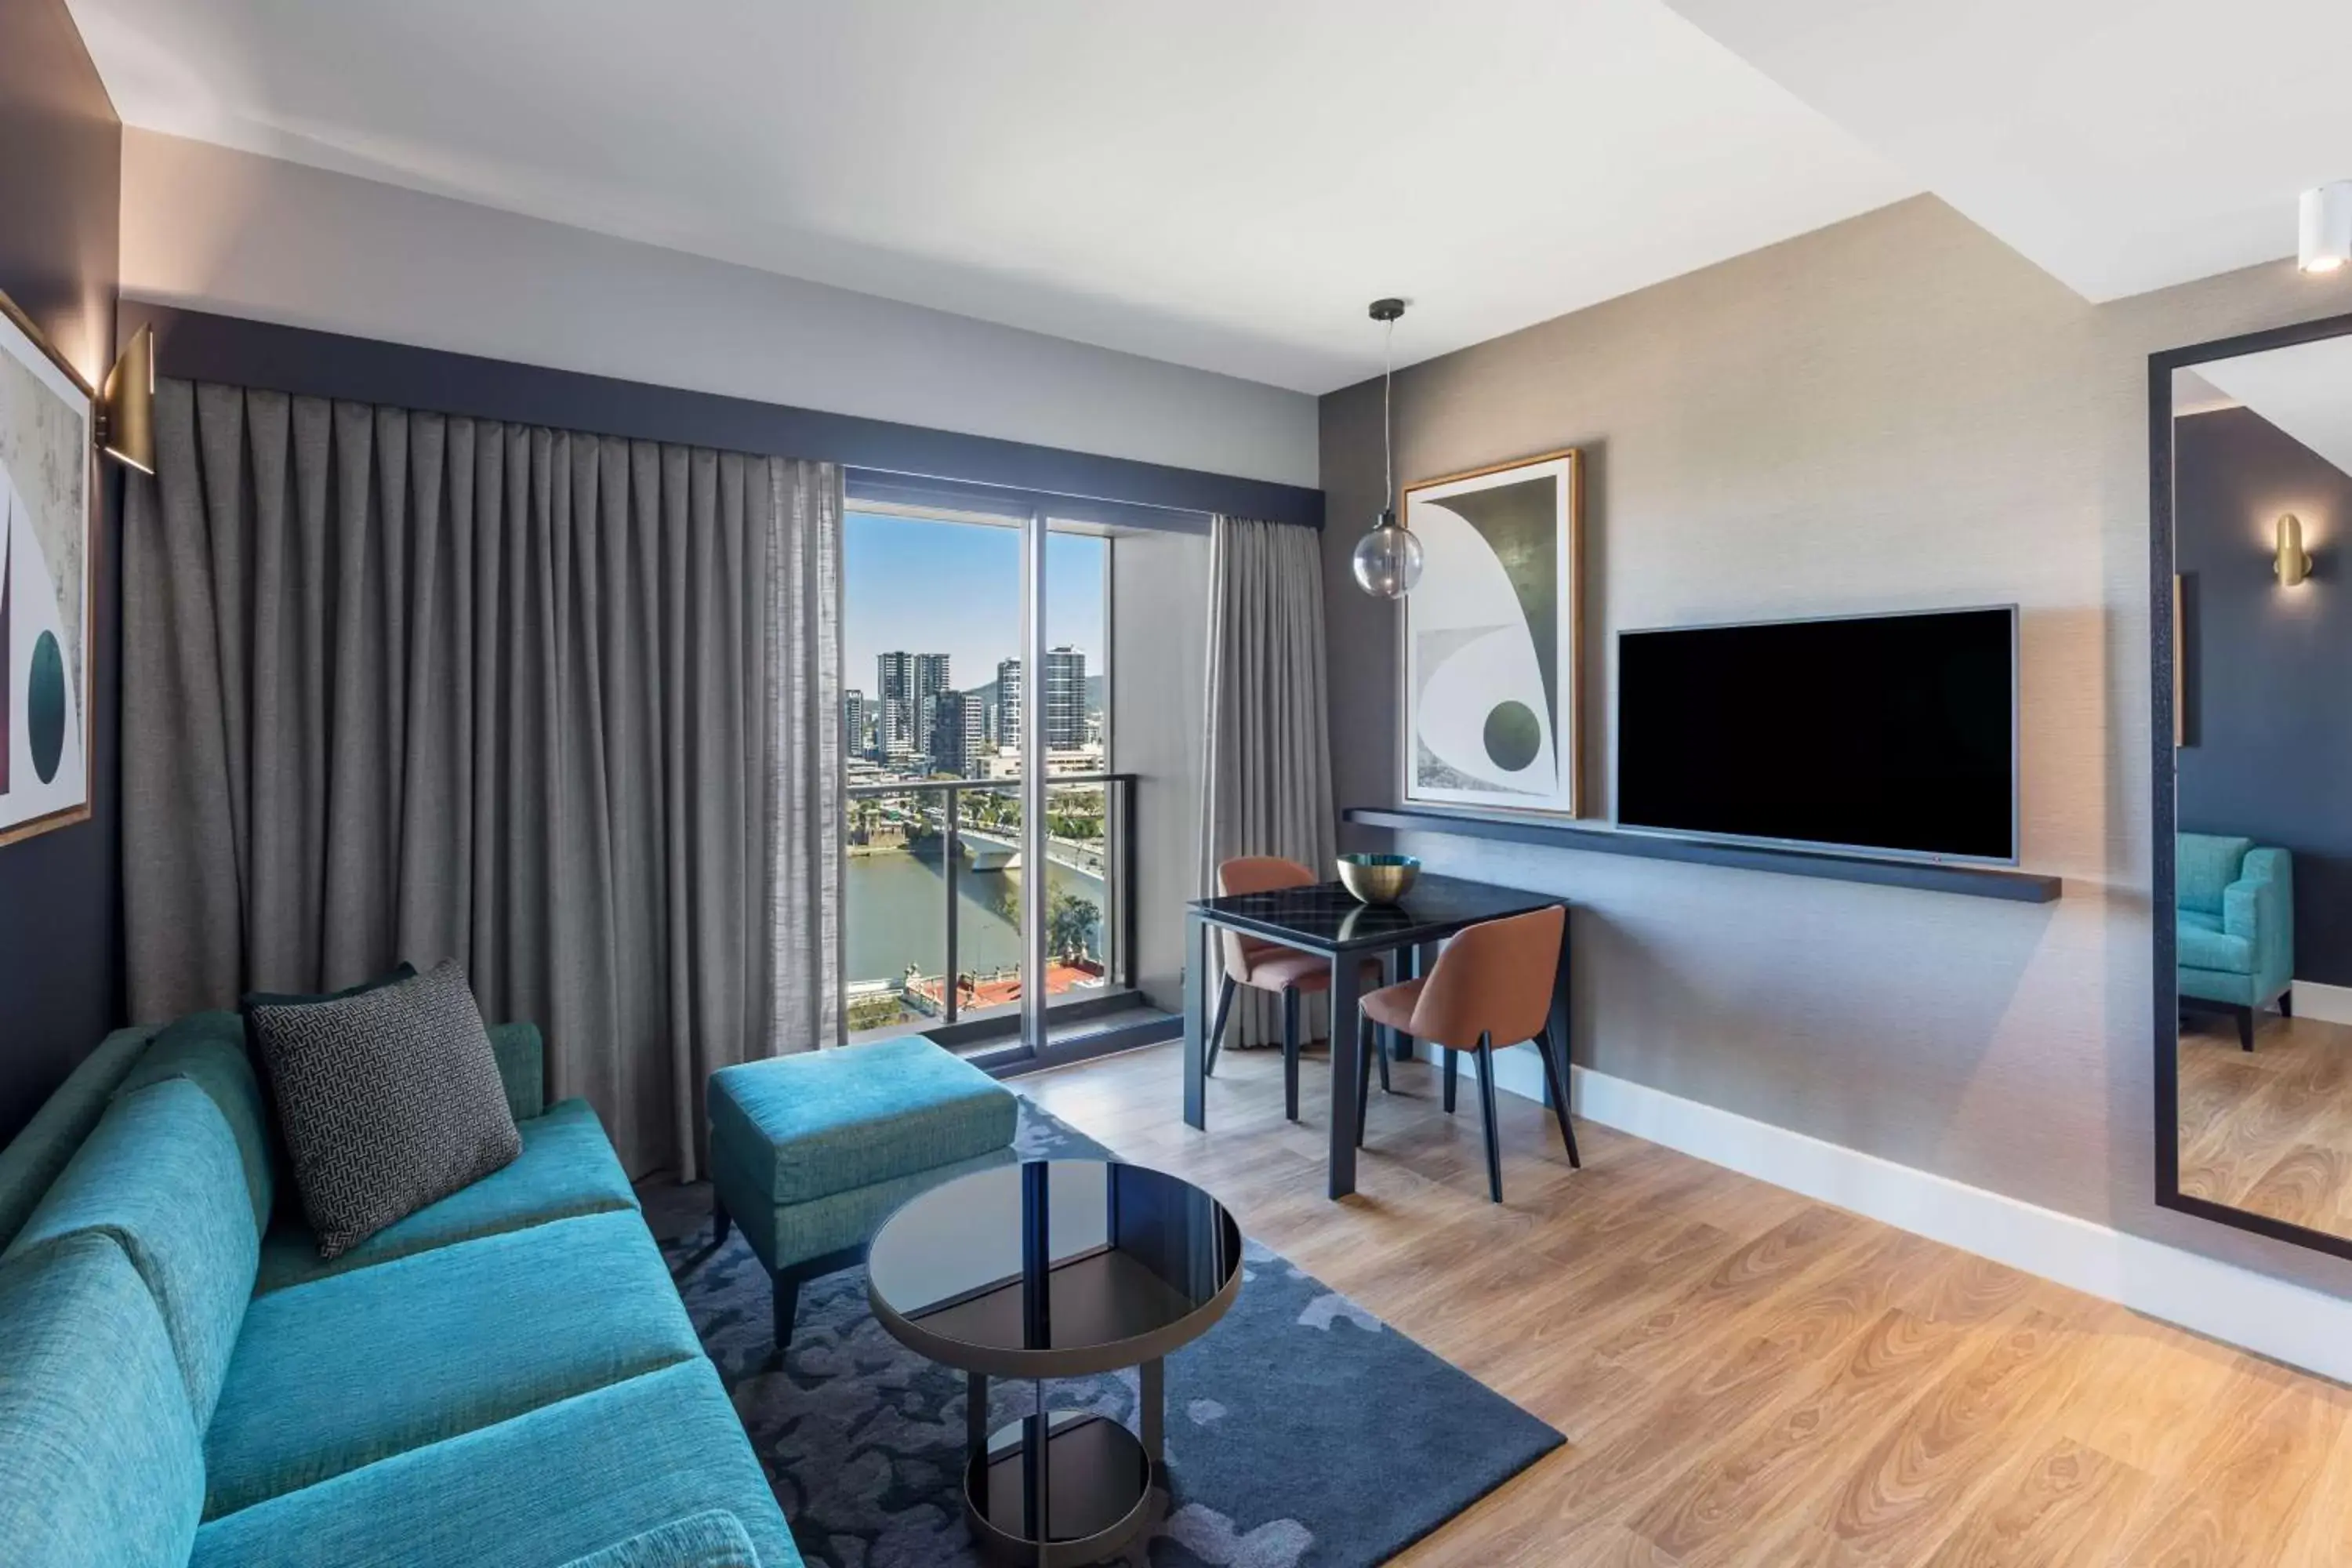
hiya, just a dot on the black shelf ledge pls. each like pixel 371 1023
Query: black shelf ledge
pixel 1935 877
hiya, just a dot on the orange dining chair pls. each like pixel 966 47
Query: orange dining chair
pixel 1492 983
pixel 1269 966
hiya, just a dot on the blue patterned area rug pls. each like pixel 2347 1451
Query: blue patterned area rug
pixel 1302 1431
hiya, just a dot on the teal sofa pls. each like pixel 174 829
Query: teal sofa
pixel 507 1377
pixel 2236 926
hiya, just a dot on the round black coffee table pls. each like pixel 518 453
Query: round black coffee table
pixel 1057 1268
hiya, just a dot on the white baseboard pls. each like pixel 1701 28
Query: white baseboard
pixel 2271 1317
pixel 2313 999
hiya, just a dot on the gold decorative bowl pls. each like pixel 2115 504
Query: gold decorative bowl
pixel 1378 879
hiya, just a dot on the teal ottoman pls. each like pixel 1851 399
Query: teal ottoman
pixel 809 1153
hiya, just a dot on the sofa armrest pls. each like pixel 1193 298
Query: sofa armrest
pixel 711 1539
pixel 523 1067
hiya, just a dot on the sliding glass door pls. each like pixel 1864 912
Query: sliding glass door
pixel 978 904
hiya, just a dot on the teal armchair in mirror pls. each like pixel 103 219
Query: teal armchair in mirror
pixel 2237 927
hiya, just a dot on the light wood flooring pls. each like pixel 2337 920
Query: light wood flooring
pixel 1745 1377
pixel 2269 1130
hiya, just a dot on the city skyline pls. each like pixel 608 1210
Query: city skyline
pixel 912 584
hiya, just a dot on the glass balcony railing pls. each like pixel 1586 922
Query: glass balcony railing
pixel 934 891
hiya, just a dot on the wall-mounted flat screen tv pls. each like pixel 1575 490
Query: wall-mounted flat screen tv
pixel 1889 734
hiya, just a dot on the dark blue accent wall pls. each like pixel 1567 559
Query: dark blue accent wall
pixel 60 195
pixel 2268 670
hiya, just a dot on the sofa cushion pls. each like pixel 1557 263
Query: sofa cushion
pixel 40 1150
pixel 824 1121
pixel 341 1372
pixel 2202 865
pixel 99 1458
pixel 523 1067
pixel 567 1167
pixel 711 1539
pixel 533 1492
pixel 387 1101
pixel 2205 945
pixel 208 1050
pixel 162 1174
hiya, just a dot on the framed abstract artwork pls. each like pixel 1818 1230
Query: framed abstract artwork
pixel 1492 637
pixel 46 490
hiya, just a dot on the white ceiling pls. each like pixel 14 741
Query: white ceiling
pixel 1222 183
pixel 2306 391
pixel 2123 146
pixel 1226 182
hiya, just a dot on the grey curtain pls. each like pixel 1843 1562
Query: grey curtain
pixel 1267 755
pixel 398 685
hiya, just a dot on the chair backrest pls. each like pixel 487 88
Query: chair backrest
pixel 1494 979
pixel 1254 874
pixel 2204 864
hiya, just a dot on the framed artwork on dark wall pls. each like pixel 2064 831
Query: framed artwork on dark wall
pixel 1491 638
pixel 47 494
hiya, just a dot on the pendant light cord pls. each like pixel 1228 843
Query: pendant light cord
pixel 1388 416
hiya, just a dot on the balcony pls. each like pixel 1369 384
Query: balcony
pixel 932 905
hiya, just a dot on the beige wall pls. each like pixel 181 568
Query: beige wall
pixel 1895 412
pixel 1158 668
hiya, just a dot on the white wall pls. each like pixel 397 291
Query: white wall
pixel 229 232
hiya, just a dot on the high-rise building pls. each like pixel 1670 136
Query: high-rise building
pixel 894 730
pixel 1066 699
pixel 958 733
pixel 853 723
pixel 913 680
pixel 1008 704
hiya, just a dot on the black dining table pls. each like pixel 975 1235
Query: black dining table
pixel 1326 919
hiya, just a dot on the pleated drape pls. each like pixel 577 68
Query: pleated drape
pixel 398 685
pixel 1267 755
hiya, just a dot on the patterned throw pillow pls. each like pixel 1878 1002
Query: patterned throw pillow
pixel 388 1100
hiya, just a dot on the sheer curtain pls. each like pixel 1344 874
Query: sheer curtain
pixel 398 685
pixel 1267 755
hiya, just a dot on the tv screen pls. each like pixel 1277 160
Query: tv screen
pixel 1882 733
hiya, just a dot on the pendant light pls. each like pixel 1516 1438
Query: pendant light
pixel 1387 559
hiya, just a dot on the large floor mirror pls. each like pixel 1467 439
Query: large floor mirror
pixel 2252 501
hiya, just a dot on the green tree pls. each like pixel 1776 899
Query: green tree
pixel 1070 925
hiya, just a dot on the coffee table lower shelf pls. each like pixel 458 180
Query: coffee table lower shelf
pixel 1096 1481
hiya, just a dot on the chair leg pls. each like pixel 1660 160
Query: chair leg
pixel 1290 1009
pixel 1368 1040
pixel 1487 1104
pixel 1217 1029
pixel 719 1221
pixel 1378 1044
pixel 2286 1004
pixel 1558 1080
pixel 1453 1066
pixel 2245 1028
pixel 787 1308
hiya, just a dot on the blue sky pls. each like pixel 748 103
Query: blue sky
pixel 955 588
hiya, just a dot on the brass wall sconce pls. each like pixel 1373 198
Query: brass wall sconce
pixel 126 405
pixel 2290 561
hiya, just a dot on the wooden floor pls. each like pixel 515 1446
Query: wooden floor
pixel 2269 1130
pixel 1745 1377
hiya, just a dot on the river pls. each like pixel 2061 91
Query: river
pixel 896 911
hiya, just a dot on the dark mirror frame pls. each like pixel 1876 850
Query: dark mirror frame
pixel 2164 819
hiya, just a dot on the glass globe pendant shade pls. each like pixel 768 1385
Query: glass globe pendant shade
pixel 1387 559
